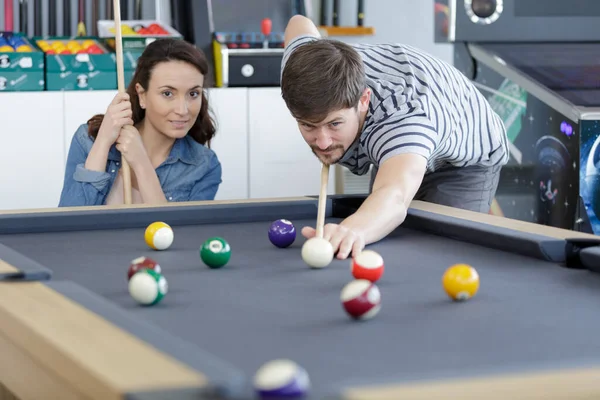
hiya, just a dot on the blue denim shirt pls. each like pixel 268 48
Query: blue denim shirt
pixel 191 172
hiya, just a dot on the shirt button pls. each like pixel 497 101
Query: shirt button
pixel 170 198
pixel 113 171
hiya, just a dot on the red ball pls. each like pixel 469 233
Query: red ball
pixel 361 299
pixel 367 265
pixel 141 263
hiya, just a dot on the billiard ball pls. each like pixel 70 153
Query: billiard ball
pixel 282 233
pixel 461 282
pixel 215 252
pixel 361 299
pixel 148 287
pixel 281 379
pixel 159 236
pixel 368 265
pixel 142 263
pixel 317 252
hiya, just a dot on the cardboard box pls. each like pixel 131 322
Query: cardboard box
pixel 78 63
pixel 21 64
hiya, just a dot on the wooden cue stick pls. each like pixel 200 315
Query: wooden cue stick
pixel 121 86
pixel 322 200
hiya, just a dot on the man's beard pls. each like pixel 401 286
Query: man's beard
pixel 331 158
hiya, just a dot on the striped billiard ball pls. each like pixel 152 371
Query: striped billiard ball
pixel 281 379
pixel 142 263
pixel 368 265
pixel 148 287
pixel 159 236
pixel 361 299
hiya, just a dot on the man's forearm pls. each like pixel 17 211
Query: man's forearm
pixel 149 185
pixel 381 212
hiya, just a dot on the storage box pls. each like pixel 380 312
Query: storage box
pixel 21 64
pixel 130 58
pixel 136 34
pixel 78 63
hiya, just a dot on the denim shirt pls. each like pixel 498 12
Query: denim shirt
pixel 191 172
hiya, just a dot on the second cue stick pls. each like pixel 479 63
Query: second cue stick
pixel 322 200
pixel 121 86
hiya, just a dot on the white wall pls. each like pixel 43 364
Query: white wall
pixel 409 22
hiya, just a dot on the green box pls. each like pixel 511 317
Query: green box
pixel 22 71
pixel 80 71
pixel 130 58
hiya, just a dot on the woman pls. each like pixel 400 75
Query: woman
pixel 161 126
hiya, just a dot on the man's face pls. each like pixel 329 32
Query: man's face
pixel 330 138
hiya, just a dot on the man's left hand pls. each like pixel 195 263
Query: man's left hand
pixel 345 241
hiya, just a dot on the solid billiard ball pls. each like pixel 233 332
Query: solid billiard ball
pixel 282 233
pixel 461 282
pixel 281 379
pixel 215 252
pixel 368 265
pixel 159 236
pixel 317 252
pixel 148 287
pixel 142 263
pixel 361 299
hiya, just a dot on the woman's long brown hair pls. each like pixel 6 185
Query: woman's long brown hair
pixel 163 50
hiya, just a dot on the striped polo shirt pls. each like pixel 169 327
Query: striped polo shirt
pixel 421 105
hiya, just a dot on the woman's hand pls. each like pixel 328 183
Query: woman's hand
pixel 131 146
pixel 118 115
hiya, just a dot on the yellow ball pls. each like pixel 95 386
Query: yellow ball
pixel 24 49
pixel 461 282
pixel 87 43
pixel 6 49
pixel 159 236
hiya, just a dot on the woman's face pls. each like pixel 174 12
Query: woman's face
pixel 173 98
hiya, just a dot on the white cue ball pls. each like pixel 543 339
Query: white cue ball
pixel 317 252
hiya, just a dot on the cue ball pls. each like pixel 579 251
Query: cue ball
pixel 282 233
pixel 148 287
pixel 142 263
pixel 281 379
pixel 215 252
pixel 461 282
pixel 317 252
pixel 159 236
pixel 367 265
pixel 361 299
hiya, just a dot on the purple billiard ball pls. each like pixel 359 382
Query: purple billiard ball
pixel 281 379
pixel 282 233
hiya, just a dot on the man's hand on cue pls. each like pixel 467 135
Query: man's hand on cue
pixel 346 242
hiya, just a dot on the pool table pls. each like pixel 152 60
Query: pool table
pixel 69 328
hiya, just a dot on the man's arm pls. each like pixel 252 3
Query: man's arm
pixel 395 186
pixel 299 25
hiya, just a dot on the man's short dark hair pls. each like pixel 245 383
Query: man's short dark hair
pixel 320 77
